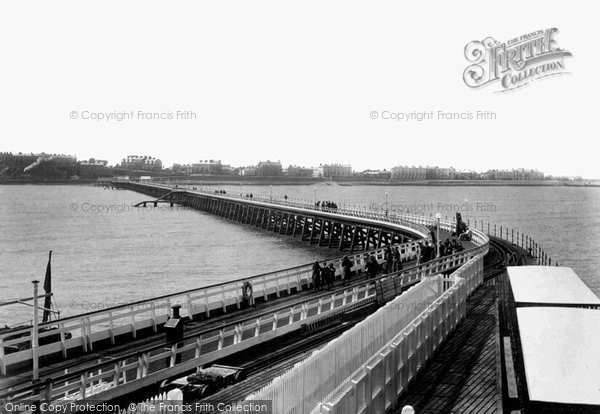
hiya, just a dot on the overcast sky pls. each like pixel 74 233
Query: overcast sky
pixel 295 82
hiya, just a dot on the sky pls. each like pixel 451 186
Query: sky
pixel 293 81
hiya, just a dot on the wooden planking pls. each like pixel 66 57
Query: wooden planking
pixel 462 376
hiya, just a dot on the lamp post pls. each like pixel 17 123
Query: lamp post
pixel 271 192
pixel 386 203
pixel 438 216
pixel 467 210
pixel 315 188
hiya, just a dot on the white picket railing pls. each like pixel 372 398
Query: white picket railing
pixel 130 374
pixel 117 376
pixel 83 330
pixel 369 366
pixel 87 329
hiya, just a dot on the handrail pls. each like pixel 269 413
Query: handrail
pixel 356 258
pixel 406 276
pixel 117 320
pixel 135 303
pixel 328 374
pixel 283 279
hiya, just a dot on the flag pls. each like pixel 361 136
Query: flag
pixel 48 290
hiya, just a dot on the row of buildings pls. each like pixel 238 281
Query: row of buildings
pixel 263 169
pixel 329 171
pixel 43 163
pixel 405 173
pixel 275 168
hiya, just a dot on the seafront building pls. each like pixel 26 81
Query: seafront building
pixel 333 171
pixel 92 162
pixel 141 162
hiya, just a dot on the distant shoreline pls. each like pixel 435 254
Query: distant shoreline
pixel 227 180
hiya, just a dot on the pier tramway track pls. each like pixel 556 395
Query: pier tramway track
pixel 261 364
pixel 501 254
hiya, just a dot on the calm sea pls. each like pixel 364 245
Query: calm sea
pixel 107 252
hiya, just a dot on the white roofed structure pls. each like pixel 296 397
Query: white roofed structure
pixel 549 285
pixel 560 348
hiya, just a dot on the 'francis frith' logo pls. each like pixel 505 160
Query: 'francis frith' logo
pixel 514 63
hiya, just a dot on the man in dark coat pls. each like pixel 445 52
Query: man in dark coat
pixel 316 275
pixel 346 270
pixel 372 267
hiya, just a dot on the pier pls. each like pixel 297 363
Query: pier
pixel 121 351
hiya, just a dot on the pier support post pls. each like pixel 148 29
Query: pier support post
pixel 366 244
pixel 322 230
pixel 304 227
pixel 353 242
pixel 379 238
pixel 312 230
pixel 342 234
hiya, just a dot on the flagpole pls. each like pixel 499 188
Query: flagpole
pixel 34 333
pixel 48 290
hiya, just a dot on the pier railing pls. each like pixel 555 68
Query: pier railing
pixel 369 366
pixel 117 376
pixel 516 237
pixel 84 330
pixel 519 238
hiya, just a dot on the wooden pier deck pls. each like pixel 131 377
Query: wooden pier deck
pixel 463 375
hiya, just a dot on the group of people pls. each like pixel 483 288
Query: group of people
pixel 249 195
pixel 326 275
pixel 220 192
pixel 392 259
pixel 448 248
pixel 427 251
pixel 323 275
pixel 326 204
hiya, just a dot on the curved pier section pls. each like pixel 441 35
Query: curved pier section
pixel 336 228
pixel 128 371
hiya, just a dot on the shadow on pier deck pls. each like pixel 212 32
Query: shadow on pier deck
pixel 462 377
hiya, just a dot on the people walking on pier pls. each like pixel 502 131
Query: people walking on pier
pixel 316 275
pixel 330 276
pixel 395 259
pixel 325 276
pixel 427 252
pixel 467 235
pixel 454 246
pixel 448 247
pixel 387 257
pixel 346 271
pixel 372 267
